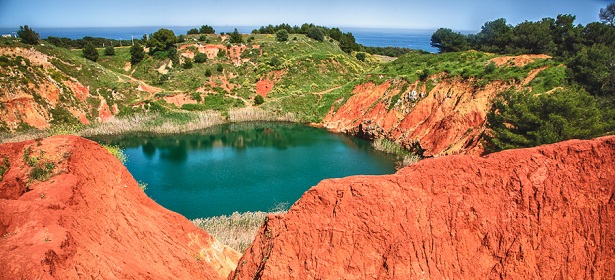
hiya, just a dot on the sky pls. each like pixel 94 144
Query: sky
pixel 404 14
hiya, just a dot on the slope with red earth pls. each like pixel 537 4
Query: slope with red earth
pixel 540 213
pixel 91 220
pixel 449 119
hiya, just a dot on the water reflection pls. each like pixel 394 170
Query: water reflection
pixel 243 167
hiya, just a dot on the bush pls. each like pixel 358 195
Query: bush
pixel 220 68
pixel 275 61
pixel 187 64
pixel 258 100
pixel 490 68
pixel 207 72
pixel 109 51
pixel 203 38
pixel 200 58
pixel 361 56
pixel 90 52
pixel 282 35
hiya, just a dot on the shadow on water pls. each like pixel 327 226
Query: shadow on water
pixel 243 166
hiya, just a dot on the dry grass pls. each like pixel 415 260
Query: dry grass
pixel 236 230
pixel 405 157
pixel 256 114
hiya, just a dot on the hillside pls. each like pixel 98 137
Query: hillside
pixel 438 104
pixel 539 213
pixel 408 100
pixel 70 210
pixel 47 85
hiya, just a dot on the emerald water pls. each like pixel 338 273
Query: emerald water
pixel 243 167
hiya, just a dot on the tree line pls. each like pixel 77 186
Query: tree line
pixel 584 105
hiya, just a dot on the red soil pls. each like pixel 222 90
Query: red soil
pixel 263 87
pixel 541 213
pixel 91 220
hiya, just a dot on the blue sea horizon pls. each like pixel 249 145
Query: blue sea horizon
pixel 372 37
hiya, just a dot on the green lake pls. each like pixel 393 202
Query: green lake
pixel 244 166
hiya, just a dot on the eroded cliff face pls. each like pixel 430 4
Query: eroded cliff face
pixel 540 213
pixel 447 119
pixel 70 210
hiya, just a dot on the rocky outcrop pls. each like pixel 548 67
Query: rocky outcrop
pixel 446 119
pixel 70 210
pixel 540 213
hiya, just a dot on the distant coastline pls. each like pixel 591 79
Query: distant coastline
pixel 373 37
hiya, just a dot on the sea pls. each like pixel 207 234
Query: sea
pixel 373 37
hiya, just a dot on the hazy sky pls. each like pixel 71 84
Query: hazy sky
pixel 409 14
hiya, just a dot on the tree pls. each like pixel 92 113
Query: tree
pixel 136 53
pixel 236 38
pixel 110 50
pixel 598 33
pixel 594 68
pixel 192 31
pixel 200 58
pixel 565 35
pixel 315 33
pixel 206 29
pixel 27 35
pixel 446 40
pixel 90 52
pixel 533 37
pixel 348 43
pixel 282 35
pixel 335 34
pixel 607 15
pixel 522 119
pixel 495 36
pixel 162 40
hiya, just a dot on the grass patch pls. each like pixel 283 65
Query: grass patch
pixel 5 166
pixel 117 152
pixel 238 229
pixel 405 157
pixel 42 169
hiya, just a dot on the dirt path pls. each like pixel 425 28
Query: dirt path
pixel 533 75
pixel 246 102
pixel 320 94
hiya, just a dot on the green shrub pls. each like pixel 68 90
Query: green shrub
pixel 200 58
pixel 109 51
pixel 523 119
pixel 5 166
pixel 117 152
pixel 258 100
pixel 281 35
pixel 361 56
pixel 90 52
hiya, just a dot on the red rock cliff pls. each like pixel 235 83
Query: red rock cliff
pixel 541 213
pixel 90 219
